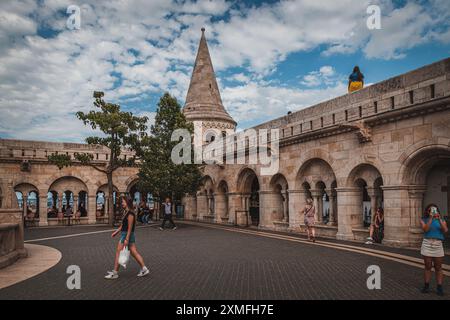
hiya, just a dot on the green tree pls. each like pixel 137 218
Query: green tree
pixel 121 130
pixel 158 174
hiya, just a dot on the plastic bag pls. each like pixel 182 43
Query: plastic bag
pixel 124 257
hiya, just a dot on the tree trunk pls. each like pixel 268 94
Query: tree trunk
pixel 110 199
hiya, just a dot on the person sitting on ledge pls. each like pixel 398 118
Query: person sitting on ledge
pixel 356 80
pixel 377 228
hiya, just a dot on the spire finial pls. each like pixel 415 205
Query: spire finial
pixel 203 29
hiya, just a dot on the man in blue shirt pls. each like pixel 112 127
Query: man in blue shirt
pixel 168 209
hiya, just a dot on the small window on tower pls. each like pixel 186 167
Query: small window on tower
pixel 210 137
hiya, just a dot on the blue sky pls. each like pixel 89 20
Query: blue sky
pixel 270 57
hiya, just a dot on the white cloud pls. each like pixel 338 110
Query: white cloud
pixel 252 103
pixel 402 29
pixel 326 76
pixel 239 77
pixel 135 49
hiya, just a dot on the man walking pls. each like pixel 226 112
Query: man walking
pixel 168 214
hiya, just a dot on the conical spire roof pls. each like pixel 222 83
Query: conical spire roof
pixel 203 101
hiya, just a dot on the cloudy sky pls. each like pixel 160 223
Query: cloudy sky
pixel 270 57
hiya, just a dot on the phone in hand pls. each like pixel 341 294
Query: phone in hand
pixel 434 213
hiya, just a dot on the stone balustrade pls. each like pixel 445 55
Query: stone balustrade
pixel 11 237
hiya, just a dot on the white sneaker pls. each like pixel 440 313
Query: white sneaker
pixel 174 228
pixel 144 271
pixel 112 275
pixel 369 239
pixel 369 242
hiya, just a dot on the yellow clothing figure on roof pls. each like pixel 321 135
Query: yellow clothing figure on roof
pixel 356 80
pixel 355 86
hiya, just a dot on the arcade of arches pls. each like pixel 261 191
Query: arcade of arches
pixel 345 196
pixel 47 206
pixel 45 193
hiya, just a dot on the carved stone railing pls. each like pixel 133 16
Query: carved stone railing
pixel 11 237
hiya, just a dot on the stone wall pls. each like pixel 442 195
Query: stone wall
pixel 11 233
pixel 369 149
pixel 24 168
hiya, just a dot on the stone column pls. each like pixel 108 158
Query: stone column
pixel 297 201
pixel 202 205
pixel 416 194
pixel 75 204
pixel 373 194
pixel 211 205
pixel 267 205
pixel 220 205
pixel 92 209
pixel 349 212
pixel 235 203
pixel 60 198
pixel 43 211
pixel 397 216
pixel 106 205
pixel 9 196
pixel 190 206
pixel 244 216
pixel 317 198
pixel 24 204
pixel 285 195
pixel 331 195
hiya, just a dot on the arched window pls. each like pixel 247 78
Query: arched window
pixel 210 136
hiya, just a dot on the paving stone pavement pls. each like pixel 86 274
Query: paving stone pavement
pixel 194 262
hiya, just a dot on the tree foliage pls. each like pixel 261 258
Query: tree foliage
pixel 158 174
pixel 120 130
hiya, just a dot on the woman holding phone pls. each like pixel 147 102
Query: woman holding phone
pixel 127 239
pixel 434 228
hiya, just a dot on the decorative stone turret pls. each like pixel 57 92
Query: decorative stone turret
pixel 203 101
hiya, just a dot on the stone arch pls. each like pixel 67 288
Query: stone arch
pixel 131 182
pixel 248 186
pixel 366 181
pixel 65 191
pixel 426 172
pixel 222 187
pixel 317 180
pixel 207 184
pixel 313 171
pixel 90 188
pixel 29 201
pixel 101 207
pixel 417 162
pixel 104 188
pixel 66 183
pixel 209 135
pixel 25 187
pixel 312 154
pixel 245 178
pixel 364 171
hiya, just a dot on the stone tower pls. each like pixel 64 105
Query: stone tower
pixel 203 101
